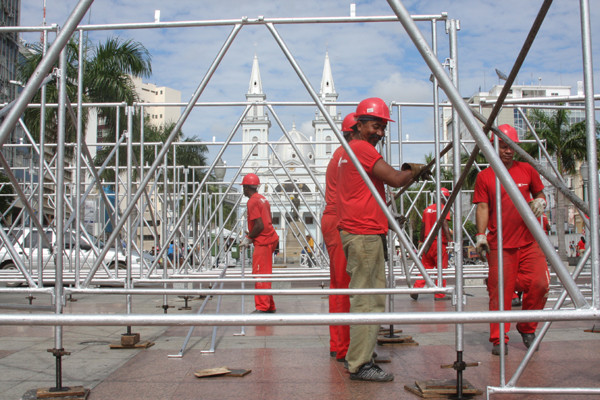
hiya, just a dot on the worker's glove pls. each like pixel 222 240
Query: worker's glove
pixel 401 219
pixel 419 171
pixel 482 246
pixel 246 242
pixel 537 206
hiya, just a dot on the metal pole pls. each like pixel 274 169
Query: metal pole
pixel 590 125
pixel 59 216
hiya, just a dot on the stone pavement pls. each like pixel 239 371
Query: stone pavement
pixel 287 362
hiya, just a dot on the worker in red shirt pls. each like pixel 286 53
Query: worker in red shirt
pixel 525 268
pixel 363 227
pixel 339 335
pixel 430 259
pixel 262 234
pixel 581 246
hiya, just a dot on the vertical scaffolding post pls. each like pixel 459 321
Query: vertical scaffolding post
pixel 58 351
pixel 590 126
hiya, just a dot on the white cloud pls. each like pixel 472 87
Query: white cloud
pixel 367 59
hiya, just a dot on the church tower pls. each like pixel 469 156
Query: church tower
pixel 327 142
pixel 256 124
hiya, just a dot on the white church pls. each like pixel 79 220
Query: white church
pixel 292 179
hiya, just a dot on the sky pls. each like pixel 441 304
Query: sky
pixel 367 59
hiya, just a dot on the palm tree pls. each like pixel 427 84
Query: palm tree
pixel 566 143
pixel 106 78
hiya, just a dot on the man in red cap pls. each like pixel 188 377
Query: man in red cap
pixel 430 259
pixel 525 268
pixel 339 335
pixel 262 234
pixel 363 227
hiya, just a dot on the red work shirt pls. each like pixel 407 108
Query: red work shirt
pixel 429 220
pixel 358 211
pixel 515 233
pixel 331 183
pixel 259 207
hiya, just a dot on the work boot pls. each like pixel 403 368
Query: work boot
pixel 414 296
pixel 528 339
pixel 496 349
pixel 372 373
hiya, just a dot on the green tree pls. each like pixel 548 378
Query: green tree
pixel 106 78
pixel 566 143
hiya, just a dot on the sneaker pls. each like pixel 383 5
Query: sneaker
pixel 332 353
pixel 414 296
pixel 260 312
pixel 343 359
pixel 528 338
pixel 372 373
pixel 496 349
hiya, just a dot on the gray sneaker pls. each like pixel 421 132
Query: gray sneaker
pixel 372 373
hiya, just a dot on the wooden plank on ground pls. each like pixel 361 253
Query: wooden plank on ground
pixel 208 372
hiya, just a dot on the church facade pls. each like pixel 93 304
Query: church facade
pixel 291 167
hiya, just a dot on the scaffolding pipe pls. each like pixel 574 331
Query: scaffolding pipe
pixel 407 318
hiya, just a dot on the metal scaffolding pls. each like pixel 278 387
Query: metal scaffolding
pixel 147 208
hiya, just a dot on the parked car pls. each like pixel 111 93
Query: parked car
pixel 26 243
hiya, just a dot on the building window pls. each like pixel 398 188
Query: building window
pixel 308 219
pixel 276 219
pixel 328 145
pixel 255 150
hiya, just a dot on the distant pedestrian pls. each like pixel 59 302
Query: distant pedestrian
pixel 581 246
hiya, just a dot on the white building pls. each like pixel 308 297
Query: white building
pixel 150 93
pixel 285 173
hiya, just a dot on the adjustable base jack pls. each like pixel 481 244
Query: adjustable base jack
pixel 447 388
pixel 59 391
pixel 388 336
pixel 131 341
pixel 165 307
pixel 185 303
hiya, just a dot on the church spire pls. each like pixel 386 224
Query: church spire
pixel 327 86
pixel 255 86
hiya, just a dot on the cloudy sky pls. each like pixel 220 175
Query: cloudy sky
pixel 368 59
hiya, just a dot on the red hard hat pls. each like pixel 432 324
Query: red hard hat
pixel 509 131
pixel 251 179
pixel 445 192
pixel 349 122
pixel 374 107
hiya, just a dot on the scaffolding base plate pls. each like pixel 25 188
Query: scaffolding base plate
pixel 594 329
pixel 441 389
pixel 384 331
pixel 73 393
pixel 402 339
pixel 140 345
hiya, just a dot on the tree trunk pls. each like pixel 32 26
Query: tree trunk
pixel 560 225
